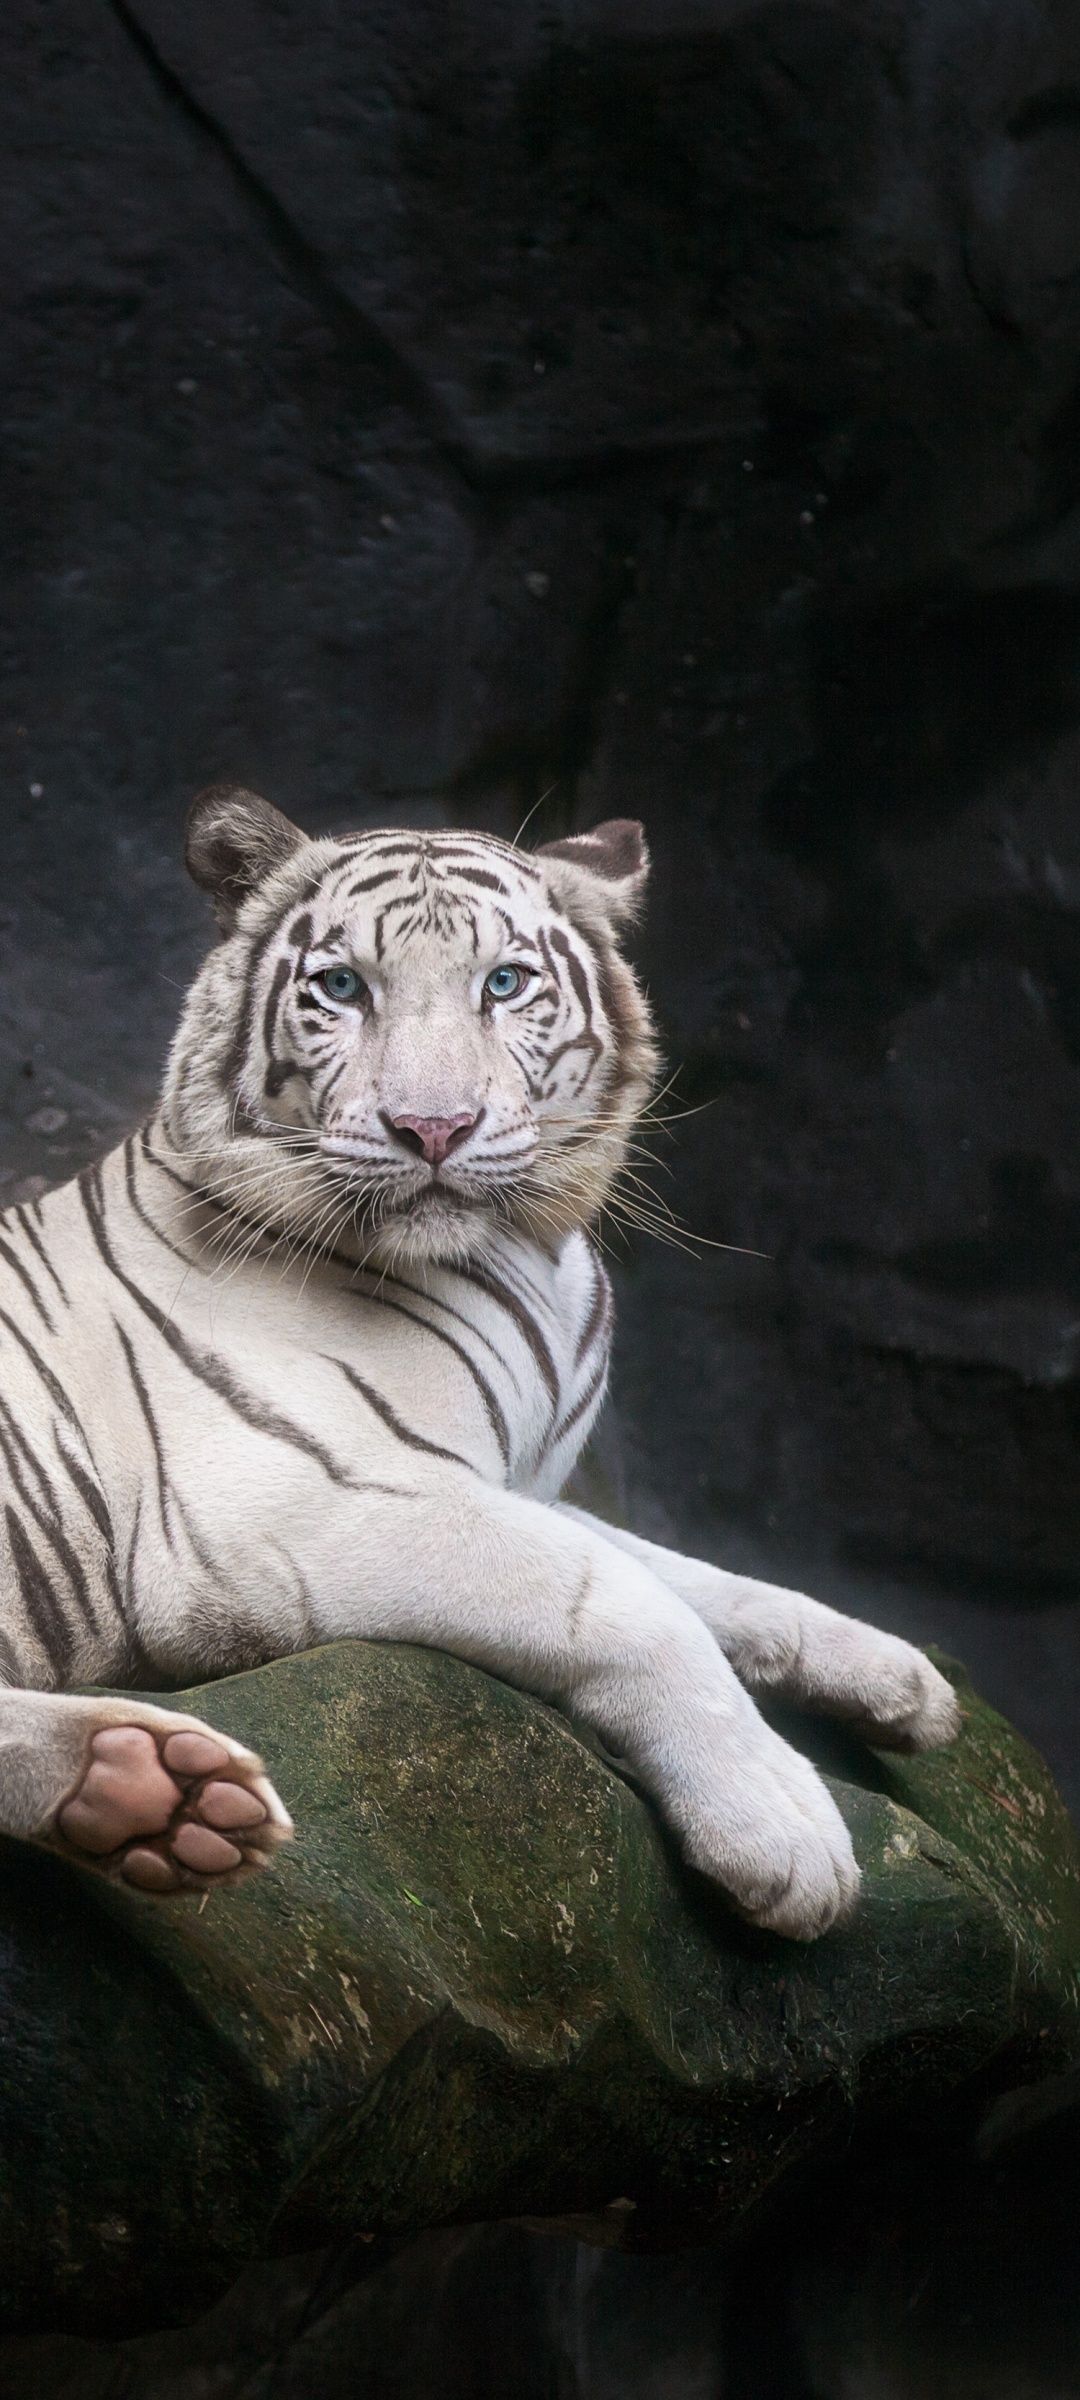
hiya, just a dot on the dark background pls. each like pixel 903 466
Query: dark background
pixel 672 408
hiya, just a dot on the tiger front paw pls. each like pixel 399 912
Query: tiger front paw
pixel 169 1805
pixel 772 1836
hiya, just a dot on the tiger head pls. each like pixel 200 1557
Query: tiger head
pixel 405 1039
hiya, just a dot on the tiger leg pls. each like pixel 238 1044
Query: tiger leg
pixel 796 1649
pixel 145 1794
pixel 553 1606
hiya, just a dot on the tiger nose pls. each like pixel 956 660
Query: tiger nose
pixel 435 1137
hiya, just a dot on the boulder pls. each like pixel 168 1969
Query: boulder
pixel 481 1985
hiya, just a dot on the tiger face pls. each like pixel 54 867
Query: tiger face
pixel 405 1038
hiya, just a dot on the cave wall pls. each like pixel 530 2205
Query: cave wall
pixel 636 408
pixel 665 407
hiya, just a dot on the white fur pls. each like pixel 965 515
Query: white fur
pixel 291 1490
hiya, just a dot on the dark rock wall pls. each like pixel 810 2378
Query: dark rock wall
pixel 666 407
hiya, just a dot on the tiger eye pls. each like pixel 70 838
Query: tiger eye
pixel 340 983
pixel 504 983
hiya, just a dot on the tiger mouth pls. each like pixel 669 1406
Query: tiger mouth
pixel 435 1199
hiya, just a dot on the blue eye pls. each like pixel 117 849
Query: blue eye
pixel 504 983
pixel 340 983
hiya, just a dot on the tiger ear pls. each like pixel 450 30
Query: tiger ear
pixel 601 874
pixel 233 841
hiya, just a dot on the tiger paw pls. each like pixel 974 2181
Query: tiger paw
pixel 167 1805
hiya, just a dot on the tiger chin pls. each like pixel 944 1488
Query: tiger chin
pixel 313 1354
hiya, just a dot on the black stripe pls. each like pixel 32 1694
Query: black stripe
pixel 36 1593
pixel 278 1070
pixel 567 1423
pixel 129 1562
pixel 94 1501
pixel 143 1214
pixel 627 1045
pixel 140 1665
pixel 240 1044
pixel 578 976
pixel 370 883
pixel 401 900
pixel 48 1518
pixel 415 845
pixel 11 1672
pixel 516 1280
pixel 505 1298
pixel 208 1565
pixel 390 1418
pixel 405 931
pixel 495 1416
pixel 169 1499
pixel 598 1313
pixel 307 1598
pixel 55 1390
pixel 25 1278
pixel 13 1442
pixel 150 1421
pixel 251 1411
pixel 34 1238
pixel 588 1039
pixel 89 1492
pixel 492 883
pixel 133 1645
pixel 278 981
pixel 451 845
pixel 545 952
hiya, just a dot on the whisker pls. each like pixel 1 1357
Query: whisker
pixel 530 813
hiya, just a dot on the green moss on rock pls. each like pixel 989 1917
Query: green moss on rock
pixel 481 1984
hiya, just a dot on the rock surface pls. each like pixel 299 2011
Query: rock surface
pixel 480 1986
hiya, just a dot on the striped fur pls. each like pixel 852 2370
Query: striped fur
pixel 269 1376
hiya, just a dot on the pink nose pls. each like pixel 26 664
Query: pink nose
pixel 435 1137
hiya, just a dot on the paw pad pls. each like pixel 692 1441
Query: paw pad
pixel 170 1810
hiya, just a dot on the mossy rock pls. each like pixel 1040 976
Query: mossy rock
pixel 482 1985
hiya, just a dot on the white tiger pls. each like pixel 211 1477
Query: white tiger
pixel 314 1354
